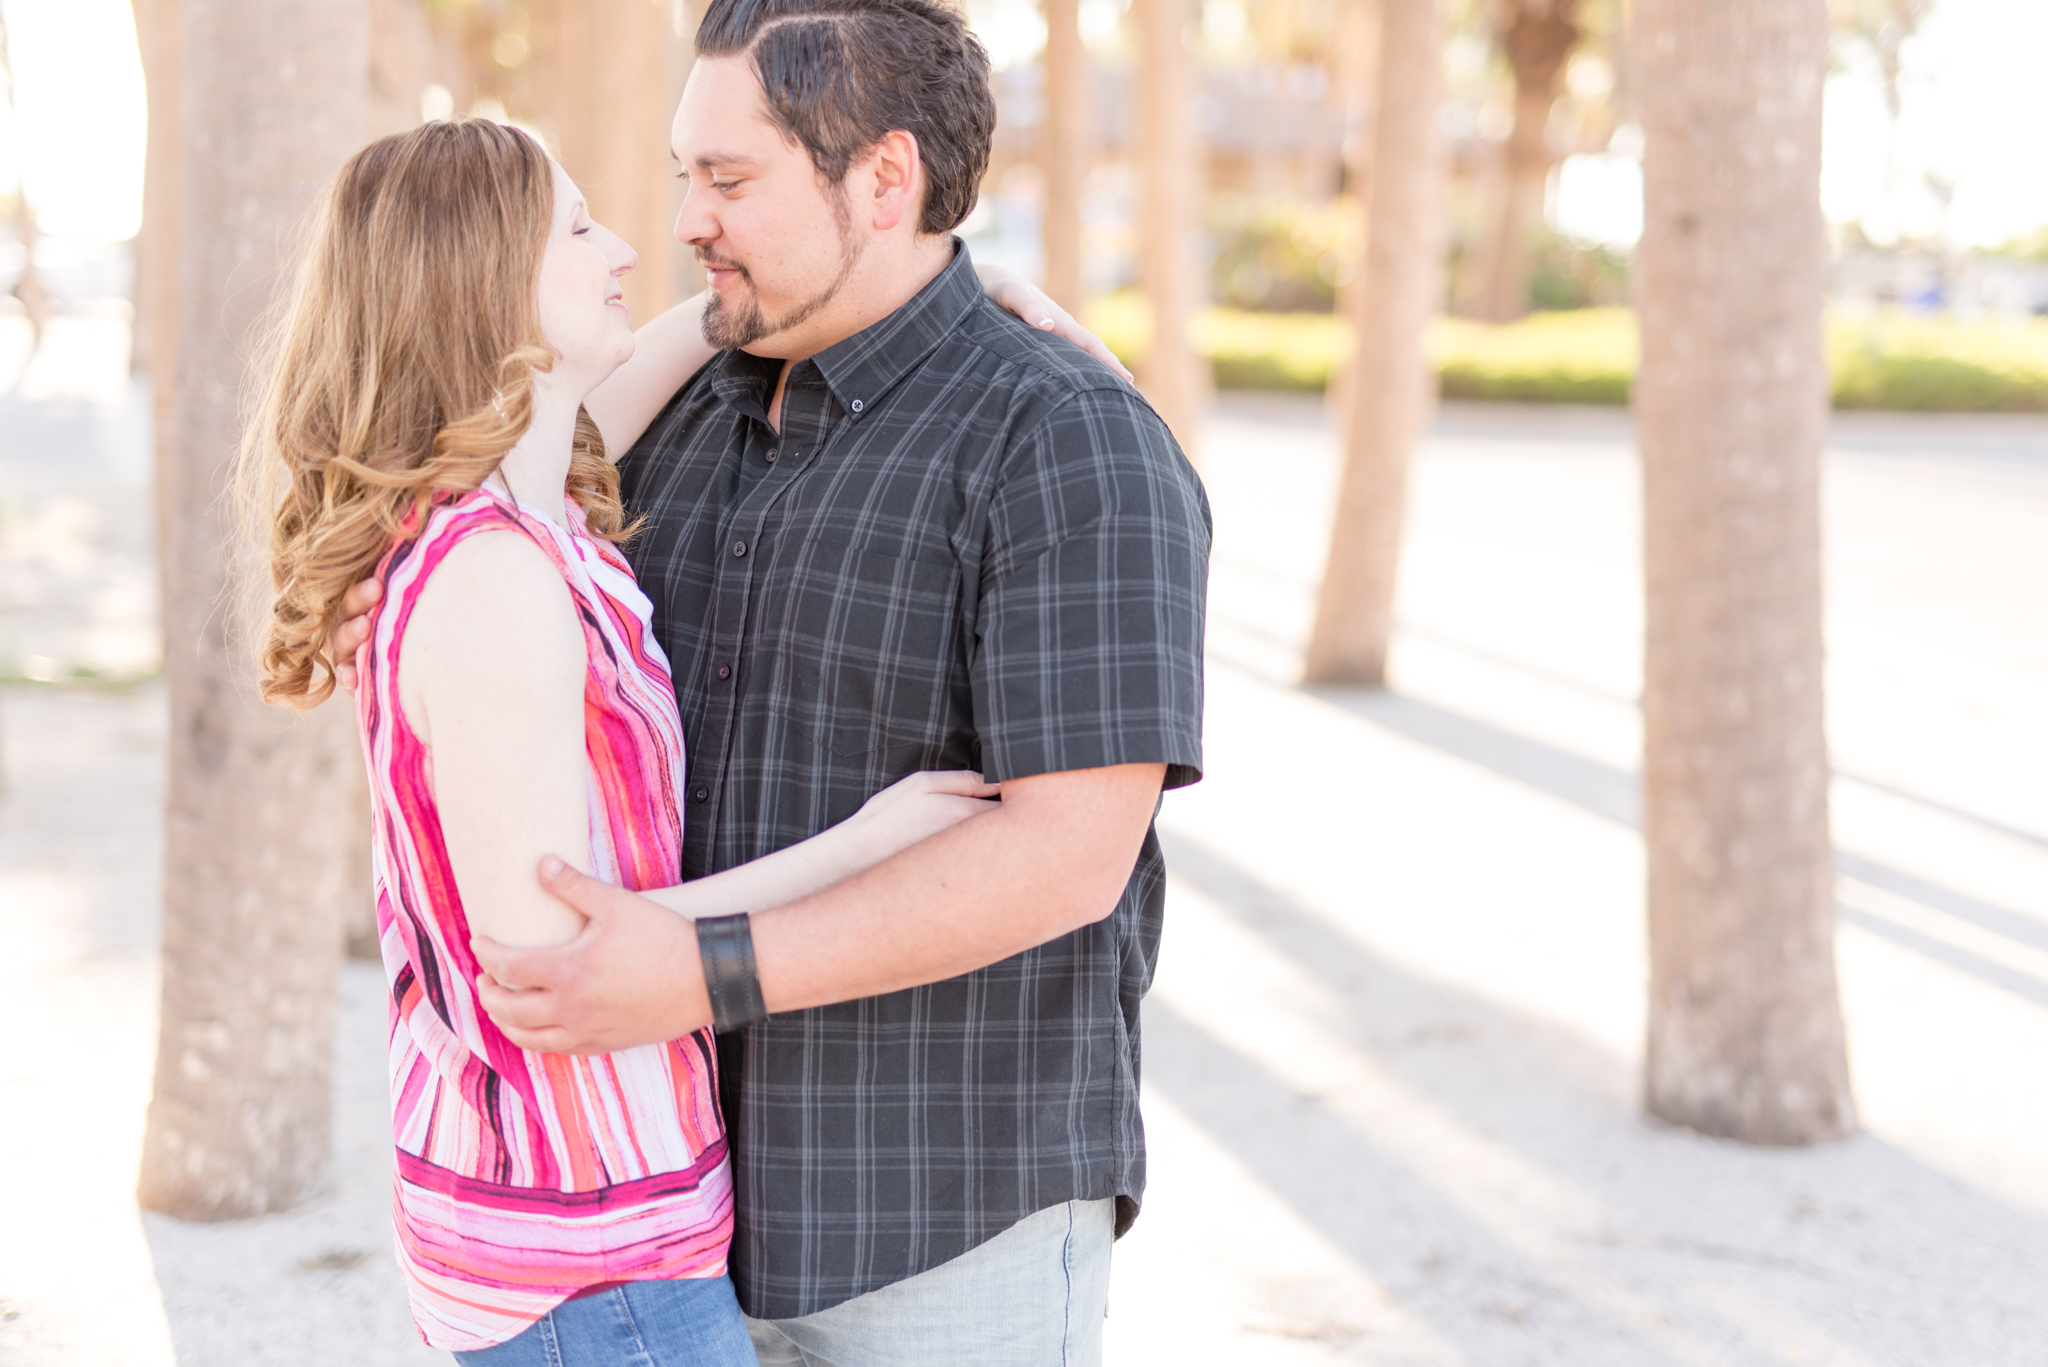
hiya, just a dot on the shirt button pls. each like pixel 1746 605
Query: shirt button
pixel 739 548
pixel 725 671
pixel 772 453
pixel 702 795
pixel 859 405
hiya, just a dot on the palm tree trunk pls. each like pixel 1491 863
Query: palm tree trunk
pixel 1745 1025
pixel 1066 145
pixel 270 99
pixel 1354 97
pixel 617 68
pixel 1538 38
pixel 1389 387
pixel 1174 377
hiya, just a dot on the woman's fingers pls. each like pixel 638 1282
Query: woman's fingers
pixel 954 808
pixel 353 629
pixel 1064 325
pixel 961 782
pixel 1099 349
pixel 1036 307
pixel 361 597
pixel 1043 313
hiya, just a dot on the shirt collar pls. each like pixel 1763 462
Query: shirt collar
pixel 744 382
pixel 867 365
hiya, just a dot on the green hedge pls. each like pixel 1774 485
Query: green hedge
pixel 1886 361
pixel 1936 365
pixel 1579 356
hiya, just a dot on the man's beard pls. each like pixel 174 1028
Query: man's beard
pixel 731 328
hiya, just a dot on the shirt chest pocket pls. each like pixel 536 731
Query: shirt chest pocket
pixel 872 642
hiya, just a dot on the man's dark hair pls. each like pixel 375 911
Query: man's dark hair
pixel 841 74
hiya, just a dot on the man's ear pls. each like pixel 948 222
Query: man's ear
pixel 897 177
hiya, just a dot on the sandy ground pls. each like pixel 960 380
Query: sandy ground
pixel 1390 1062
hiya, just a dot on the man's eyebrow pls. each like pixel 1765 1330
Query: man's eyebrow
pixel 709 159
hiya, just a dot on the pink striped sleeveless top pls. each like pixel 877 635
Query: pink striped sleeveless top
pixel 525 1178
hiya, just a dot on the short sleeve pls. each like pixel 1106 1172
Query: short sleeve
pixel 1094 582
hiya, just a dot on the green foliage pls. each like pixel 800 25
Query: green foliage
pixel 1272 350
pixel 1281 256
pixel 1939 365
pixel 1575 356
pixel 1247 349
pixel 1562 276
pixel 1888 361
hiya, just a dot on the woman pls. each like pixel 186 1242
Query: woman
pixel 455 364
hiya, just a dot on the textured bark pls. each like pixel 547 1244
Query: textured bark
pixel 1066 150
pixel 1174 377
pixel 1538 38
pixel 617 66
pixel 1745 1026
pixel 271 98
pixel 1389 387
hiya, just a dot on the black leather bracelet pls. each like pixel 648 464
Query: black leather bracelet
pixel 734 985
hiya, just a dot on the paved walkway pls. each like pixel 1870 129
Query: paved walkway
pixel 1390 1059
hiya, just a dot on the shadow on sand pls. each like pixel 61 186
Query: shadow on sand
pixel 1612 794
pixel 1668 1247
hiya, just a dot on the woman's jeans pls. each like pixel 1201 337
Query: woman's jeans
pixel 693 1323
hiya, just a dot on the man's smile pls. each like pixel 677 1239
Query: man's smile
pixel 719 274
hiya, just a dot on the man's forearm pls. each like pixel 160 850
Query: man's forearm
pixel 1056 856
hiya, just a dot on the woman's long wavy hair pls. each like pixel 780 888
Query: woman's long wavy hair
pixel 402 371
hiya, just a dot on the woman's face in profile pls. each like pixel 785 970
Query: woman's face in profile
pixel 582 310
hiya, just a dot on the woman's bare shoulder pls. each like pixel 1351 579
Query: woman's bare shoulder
pixel 495 619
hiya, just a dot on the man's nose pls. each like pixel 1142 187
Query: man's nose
pixel 694 221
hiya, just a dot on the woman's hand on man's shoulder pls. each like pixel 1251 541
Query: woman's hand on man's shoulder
pixel 1036 307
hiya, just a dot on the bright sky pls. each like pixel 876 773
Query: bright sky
pixel 1976 111
pixel 75 134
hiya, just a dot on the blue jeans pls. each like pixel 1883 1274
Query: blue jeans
pixel 1033 1296
pixel 693 1323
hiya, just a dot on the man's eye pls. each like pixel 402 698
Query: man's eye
pixel 723 185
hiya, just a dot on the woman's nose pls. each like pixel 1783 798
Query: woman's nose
pixel 623 257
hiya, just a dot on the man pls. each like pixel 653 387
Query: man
pixel 891 529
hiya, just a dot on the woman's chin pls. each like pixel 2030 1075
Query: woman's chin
pixel 617 352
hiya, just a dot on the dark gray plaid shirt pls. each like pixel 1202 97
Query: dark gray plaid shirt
pixel 970 546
